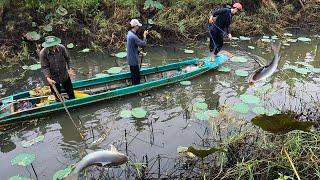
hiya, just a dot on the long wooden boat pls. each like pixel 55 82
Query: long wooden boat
pixel 110 87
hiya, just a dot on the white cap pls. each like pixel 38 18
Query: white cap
pixel 135 22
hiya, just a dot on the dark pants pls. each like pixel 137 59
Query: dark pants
pixel 216 40
pixel 135 75
pixel 67 86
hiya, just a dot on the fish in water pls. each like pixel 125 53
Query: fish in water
pixel 101 158
pixel 267 71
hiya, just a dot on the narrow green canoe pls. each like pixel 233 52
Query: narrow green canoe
pixel 113 86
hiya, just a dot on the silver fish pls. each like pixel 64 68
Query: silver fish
pixel 101 158
pixel 267 71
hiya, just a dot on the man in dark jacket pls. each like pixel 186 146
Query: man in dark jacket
pixel 220 21
pixel 133 42
pixel 56 66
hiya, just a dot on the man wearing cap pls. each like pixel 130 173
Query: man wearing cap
pixel 133 42
pixel 56 66
pixel 219 24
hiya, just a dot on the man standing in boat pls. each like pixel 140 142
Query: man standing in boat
pixel 219 25
pixel 56 66
pixel 133 42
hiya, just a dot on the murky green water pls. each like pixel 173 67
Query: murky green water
pixel 170 122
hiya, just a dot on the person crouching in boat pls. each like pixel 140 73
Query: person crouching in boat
pixel 133 42
pixel 56 66
pixel 219 24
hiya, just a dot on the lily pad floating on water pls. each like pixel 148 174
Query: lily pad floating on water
pixel 125 114
pixel 304 39
pixel 86 50
pixel 121 54
pixel 101 75
pixel 303 71
pixel 70 46
pixel 47 28
pixel 266 40
pixel 18 178
pixel 265 37
pixel 239 59
pixel 202 153
pixel 185 83
pixel 33 36
pixel 34 24
pixel 224 69
pixel 61 174
pixel 35 67
pixel 288 66
pixel 249 99
pixel 188 51
pixel 61 11
pixel 150 21
pixel 241 73
pixel 243 38
pixel 139 112
pixel 198 106
pixel 23 159
pixel 286 44
pixel 241 108
pixel 251 47
pixel 212 113
pixel 272 111
pixel 32 141
pixel 25 67
pixel 259 110
pixel 274 37
pixel 114 70
pixel 292 40
pixel 288 34
pixel 234 38
pixel 281 123
pixel 201 116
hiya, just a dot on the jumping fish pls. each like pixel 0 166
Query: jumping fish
pixel 267 71
pixel 101 158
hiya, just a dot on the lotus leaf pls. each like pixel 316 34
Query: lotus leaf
pixel 224 69
pixel 188 51
pixel 35 67
pixel 23 159
pixel 61 174
pixel 121 54
pixel 185 83
pixel 114 70
pixel 304 39
pixel 200 106
pixel 101 75
pixel 18 178
pixel 139 112
pixel 243 38
pixel 242 73
pixel 241 108
pixel 250 99
pixel 33 36
pixel 125 114
pixel 32 141
pixel 259 110
pixel 239 59
pixel 251 47
pixel 70 45
pixel 47 28
pixel 86 50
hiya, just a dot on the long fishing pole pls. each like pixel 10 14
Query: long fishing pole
pixel 66 109
pixel 146 37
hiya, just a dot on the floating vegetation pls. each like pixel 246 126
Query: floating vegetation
pixel 70 46
pixel 241 73
pixel 250 99
pixel 61 11
pixel 274 37
pixel 33 67
pixel 224 69
pixel 281 123
pixel 23 159
pixel 243 38
pixel 251 47
pixel 240 59
pixel 292 40
pixel 185 83
pixel 188 51
pixel 61 174
pixel 198 106
pixel 202 153
pixel 303 71
pixel 114 70
pixel 32 141
pixel 304 39
pixel 266 37
pixel 121 54
pixel 266 40
pixel 86 50
pixel 33 36
pixel 259 110
pixel 139 112
pixel 48 28
pixel 287 34
pixel 206 115
pixel 241 108
pixel 125 114
pixel 18 178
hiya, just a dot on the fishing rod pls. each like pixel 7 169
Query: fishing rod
pixel 65 108
pixel 146 38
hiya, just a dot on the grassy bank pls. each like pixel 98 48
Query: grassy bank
pixel 102 24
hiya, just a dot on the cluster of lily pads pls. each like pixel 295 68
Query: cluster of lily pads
pixel 302 68
pixel 246 99
pixel 110 71
pixel 201 111
pixel 32 67
pixel 135 112
pixel 239 72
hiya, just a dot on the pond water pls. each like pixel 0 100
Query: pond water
pixel 170 122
